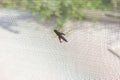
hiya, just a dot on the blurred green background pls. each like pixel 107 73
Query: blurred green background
pixel 61 9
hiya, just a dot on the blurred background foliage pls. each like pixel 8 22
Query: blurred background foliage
pixel 61 9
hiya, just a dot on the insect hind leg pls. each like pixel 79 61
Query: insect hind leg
pixel 64 39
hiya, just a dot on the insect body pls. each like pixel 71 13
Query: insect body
pixel 60 36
